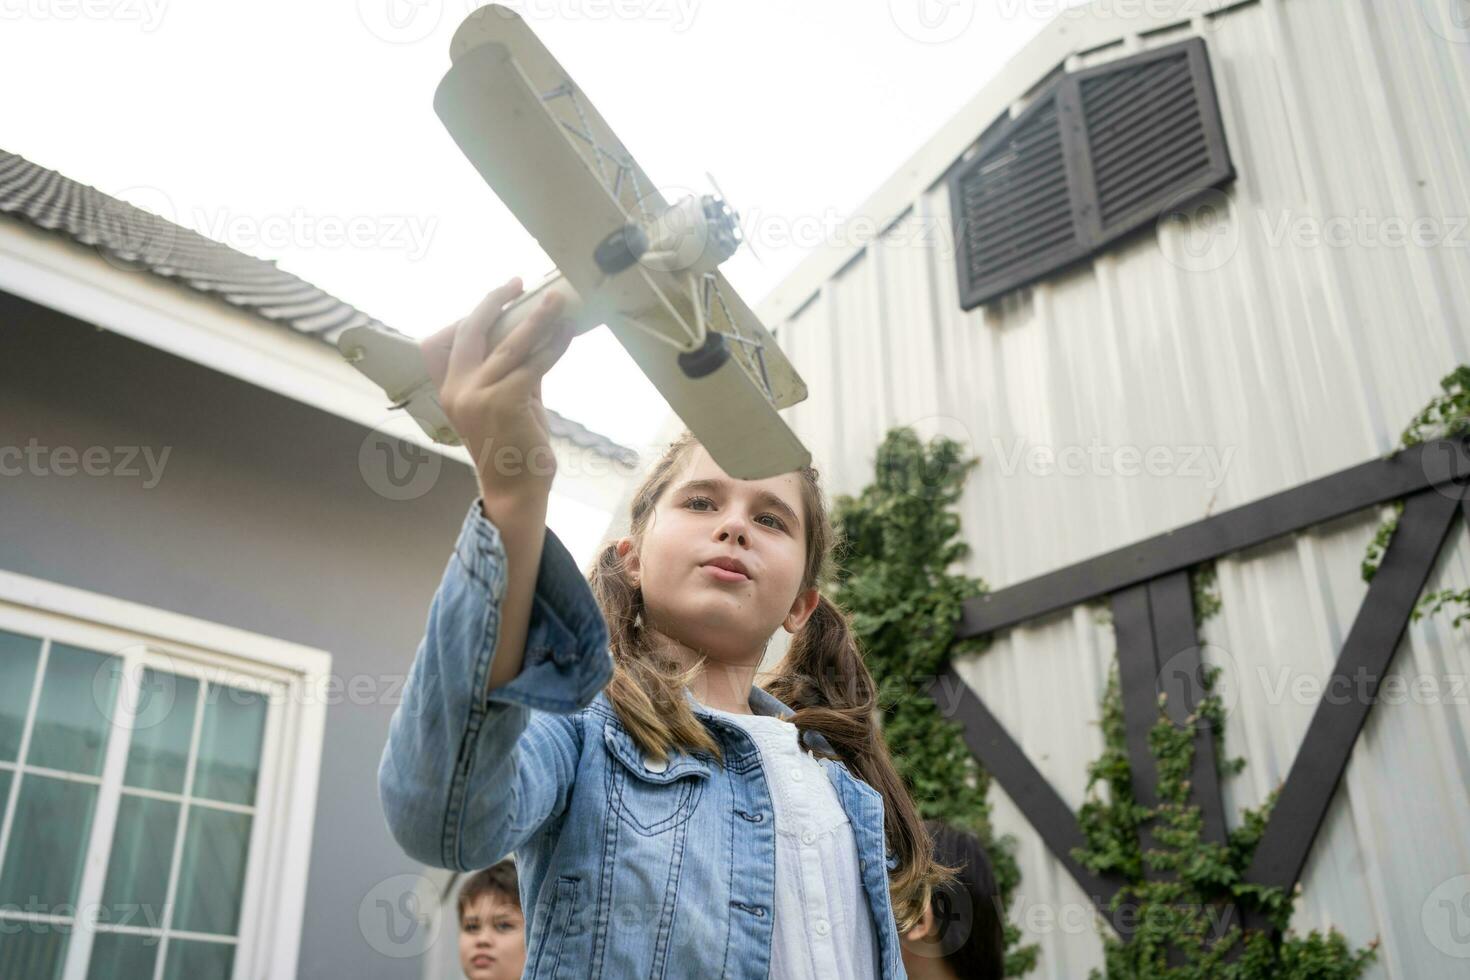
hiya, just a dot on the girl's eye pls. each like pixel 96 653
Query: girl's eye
pixel 779 525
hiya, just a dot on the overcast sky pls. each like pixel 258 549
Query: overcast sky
pixel 303 131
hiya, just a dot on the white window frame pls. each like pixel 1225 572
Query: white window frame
pixel 295 678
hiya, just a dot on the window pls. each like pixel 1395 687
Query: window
pixel 152 788
pixel 1096 155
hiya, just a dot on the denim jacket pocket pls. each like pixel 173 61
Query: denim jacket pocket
pixel 650 797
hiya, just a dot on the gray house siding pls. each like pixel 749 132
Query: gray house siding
pixel 261 521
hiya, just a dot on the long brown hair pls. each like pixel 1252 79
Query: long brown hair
pixel 822 677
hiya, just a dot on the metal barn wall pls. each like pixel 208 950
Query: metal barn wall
pixel 1236 340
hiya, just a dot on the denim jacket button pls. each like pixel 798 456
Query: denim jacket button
pixel 655 765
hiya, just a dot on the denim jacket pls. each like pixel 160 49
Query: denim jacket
pixel 628 868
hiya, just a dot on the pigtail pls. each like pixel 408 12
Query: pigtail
pixel 824 678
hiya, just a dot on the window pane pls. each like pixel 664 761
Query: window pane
pixel 212 871
pixel 229 744
pixel 18 656
pixel 191 959
pixel 43 860
pixel 34 950
pixel 159 752
pixel 137 870
pixel 123 956
pixel 72 720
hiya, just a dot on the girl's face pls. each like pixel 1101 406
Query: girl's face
pixel 706 515
pixel 492 939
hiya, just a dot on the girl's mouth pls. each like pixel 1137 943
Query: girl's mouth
pixel 725 575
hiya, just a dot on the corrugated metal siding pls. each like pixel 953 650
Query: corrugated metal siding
pixel 1287 362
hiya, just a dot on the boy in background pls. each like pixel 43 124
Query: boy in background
pixel 492 931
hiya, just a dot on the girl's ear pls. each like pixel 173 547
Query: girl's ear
pixel 630 558
pixel 801 610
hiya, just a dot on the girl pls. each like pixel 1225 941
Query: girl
pixel 670 818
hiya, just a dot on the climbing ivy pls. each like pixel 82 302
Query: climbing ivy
pixel 896 543
pixel 1447 416
pixel 1180 908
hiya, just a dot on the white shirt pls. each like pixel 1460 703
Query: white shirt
pixel 821 924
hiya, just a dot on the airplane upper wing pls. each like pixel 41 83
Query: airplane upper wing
pixel 556 164
pixel 537 139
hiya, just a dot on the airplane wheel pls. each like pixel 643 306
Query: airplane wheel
pixel 708 359
pixel 621 249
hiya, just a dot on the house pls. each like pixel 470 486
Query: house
pixel 1180 274
pixel 217 556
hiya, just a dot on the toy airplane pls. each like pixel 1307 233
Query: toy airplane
pixel 625 256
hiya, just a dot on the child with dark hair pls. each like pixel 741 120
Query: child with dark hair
pixel 961 935
pixel 492 931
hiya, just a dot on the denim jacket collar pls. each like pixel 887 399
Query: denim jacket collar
pixel 763 703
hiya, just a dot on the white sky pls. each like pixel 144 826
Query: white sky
pixel 277 125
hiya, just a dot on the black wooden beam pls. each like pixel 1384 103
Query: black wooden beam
pixel 1181 677
pixel 1158 654
pixel 1138 685
pixel 1374 482
pixel 1366 655
pixel 1007 763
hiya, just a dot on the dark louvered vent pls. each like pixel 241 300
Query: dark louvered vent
pixel 1151 133
pixel 1098 154
pixel 1016 211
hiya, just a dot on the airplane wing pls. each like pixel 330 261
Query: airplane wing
pixel 536 138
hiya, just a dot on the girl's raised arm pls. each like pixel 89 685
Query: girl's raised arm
pixel 470 771
pixel 468 776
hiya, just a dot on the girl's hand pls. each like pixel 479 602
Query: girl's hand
pixel 489 384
